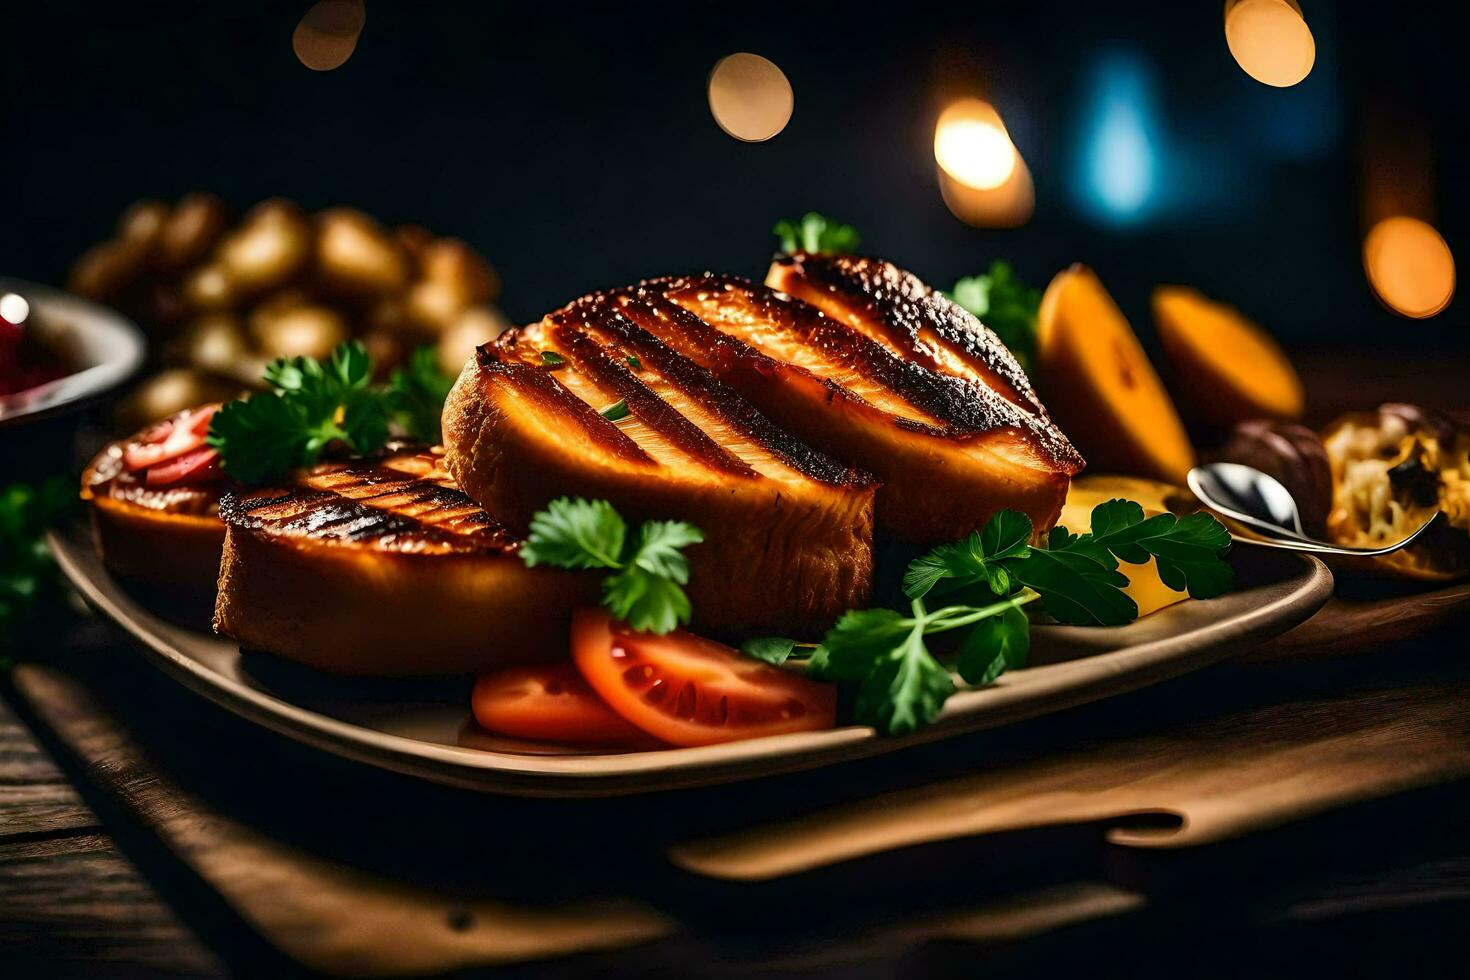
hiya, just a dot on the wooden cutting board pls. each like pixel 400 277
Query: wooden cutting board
pixel 1199 784
pixel 1352 624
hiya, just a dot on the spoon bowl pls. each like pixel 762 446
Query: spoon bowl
pixel 1258 501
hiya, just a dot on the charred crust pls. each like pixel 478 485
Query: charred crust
pixel 367 504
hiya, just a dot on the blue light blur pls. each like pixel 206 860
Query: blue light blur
pixel 1120 156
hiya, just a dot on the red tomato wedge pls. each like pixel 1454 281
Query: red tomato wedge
pixel 550 703
pixel 194 467
pixel 686 690
pixel 169 439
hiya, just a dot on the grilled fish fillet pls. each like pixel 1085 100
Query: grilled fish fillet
pixel 383 567
pixel 788 530
pixel 916 390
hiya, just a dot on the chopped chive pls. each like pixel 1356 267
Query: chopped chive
pixel 616 411
pixel 552 359
pixel 633 361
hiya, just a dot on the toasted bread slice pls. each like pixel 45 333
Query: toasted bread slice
pixel 383 567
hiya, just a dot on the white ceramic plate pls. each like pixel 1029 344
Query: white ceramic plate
pixel 102 347
pixel 424 728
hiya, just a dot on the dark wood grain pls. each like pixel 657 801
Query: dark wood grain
pixel 69 901
pixel 1351 625
pixel 322 914
pixel 35 798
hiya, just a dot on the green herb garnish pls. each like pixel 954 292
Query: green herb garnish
pixel 814 233
pixel 552 359
pixel 27 574
pixel 650 570
pixel 312 405
pixel 633 362
pixel 990 575
pixel 416 395
pixel 1006 305
pixel 617 411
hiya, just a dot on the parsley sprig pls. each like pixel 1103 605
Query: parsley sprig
pixel 814 233
pixel 1006 305
pixel 416 394
pixel 312 405
pixel 28 579
pixel 649 568
pixel 988 576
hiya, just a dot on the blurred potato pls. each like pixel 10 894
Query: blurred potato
pixel 302 331
pixel 208 288
pixel 433 305
pixel 413 239
pixel 191 230
pixel 387 349
pixel 142 223
pixel 217 343
pixel 171 391
pixel 277 304
pixel 453 263
pixel 356 256
pixel 163 305
pixel 390 314
pixel 224 295
pixel 469 330
pixel 268 249
pixel 107 268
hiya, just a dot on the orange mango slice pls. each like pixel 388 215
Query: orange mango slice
pixel 1228 368
pixel 1101 387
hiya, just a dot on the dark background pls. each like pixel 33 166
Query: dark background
pixel 573 144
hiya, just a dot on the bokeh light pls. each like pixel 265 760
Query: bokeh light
pixel 1409 266
pixel 1120 158
pixel 750 97
pixel 1008 206
pixel 1270 40
pixel 328 32
pixel 14 309
pixel 972 146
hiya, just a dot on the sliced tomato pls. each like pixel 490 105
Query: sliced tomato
pixel 194 467
pixel 551 703
pixel 169 439
pixel 687 690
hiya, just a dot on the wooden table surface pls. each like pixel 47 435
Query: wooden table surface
pixel 1387 891
pixel 69 900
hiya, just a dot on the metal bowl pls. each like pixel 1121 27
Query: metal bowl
pixel 102 347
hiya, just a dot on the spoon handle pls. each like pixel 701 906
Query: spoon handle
pixel 1293 543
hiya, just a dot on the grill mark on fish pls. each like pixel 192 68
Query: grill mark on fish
pixel 369 503
pixel 908 381
pixel 903 307
pixel 609 314
pixel 960 406
pixel 551 399
pixel 643 402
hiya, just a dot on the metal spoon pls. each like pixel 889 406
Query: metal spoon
pixel 1260 502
